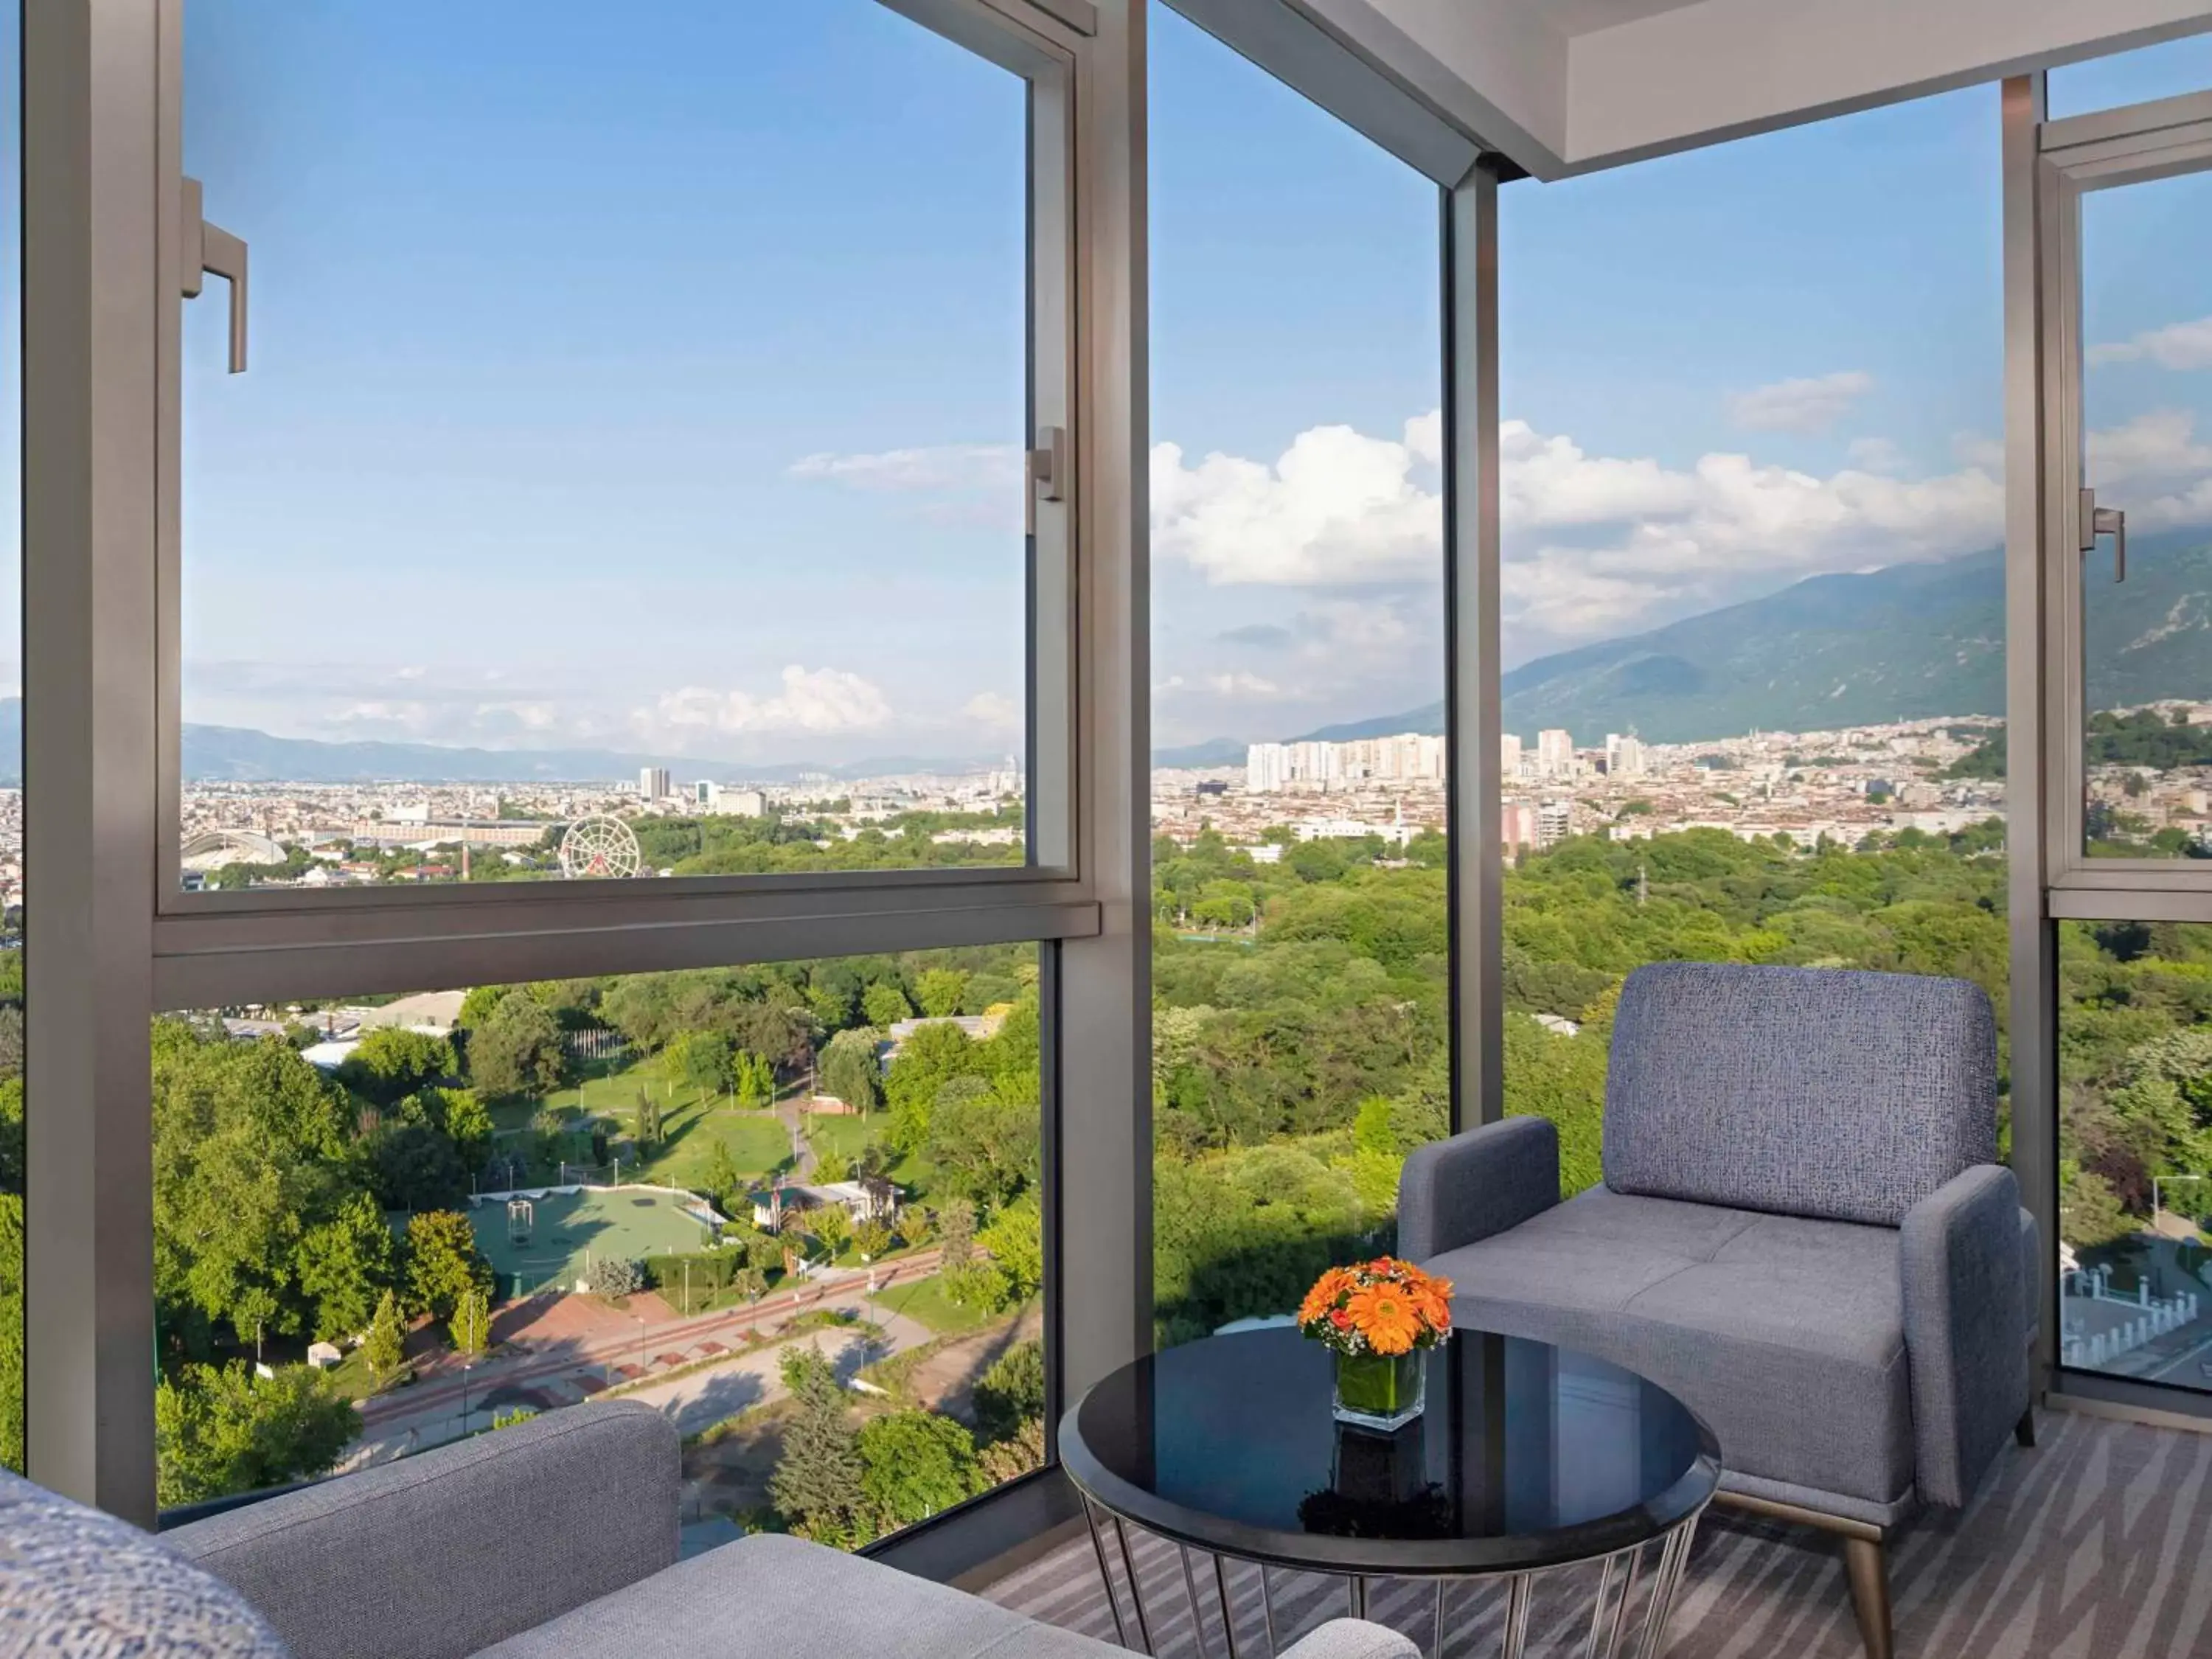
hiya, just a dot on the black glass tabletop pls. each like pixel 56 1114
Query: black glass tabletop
pixel 1527 1456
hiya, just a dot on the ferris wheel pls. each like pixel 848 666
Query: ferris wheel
pixel 598 846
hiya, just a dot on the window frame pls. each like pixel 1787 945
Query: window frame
pixel 116 942
pixel 1041 51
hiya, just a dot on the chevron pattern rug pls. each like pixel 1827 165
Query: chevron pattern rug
pixel 2096 1545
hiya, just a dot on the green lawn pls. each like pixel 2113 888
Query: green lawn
pixel 924 1301
pixel 846 1137
pixel 692 1121
pixel 757 1143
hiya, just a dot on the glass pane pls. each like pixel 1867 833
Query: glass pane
pixel 2135 1150
pixel 2147 391
pixel 1300 943
pixel 632 432
pixel 428 1216
pixel 2165 70
pixel 12 1172
pixel 1754 612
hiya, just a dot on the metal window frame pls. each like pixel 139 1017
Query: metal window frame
pixel 109 946
pixel 2072 158
pixel 1034 44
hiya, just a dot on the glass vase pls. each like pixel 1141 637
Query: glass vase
pixel 1379 1390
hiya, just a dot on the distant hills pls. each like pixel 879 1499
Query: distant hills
pixel 1907 642
pixel 237 754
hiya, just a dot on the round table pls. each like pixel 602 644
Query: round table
pixel 1528 1457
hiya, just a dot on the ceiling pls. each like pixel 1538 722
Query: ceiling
pixel 1565 87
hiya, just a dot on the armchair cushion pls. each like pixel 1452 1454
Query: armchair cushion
pixel 443 1553
pixel 1483 1182
pixel 1785 1334
pixel 1802 1091
pixel 1965 1304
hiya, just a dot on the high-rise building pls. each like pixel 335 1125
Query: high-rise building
pixel 1628 762
pixel 1266 769
pixel 1555 822
pixel 1516 825
pixel 1555 753
pixel 1508 755
pixel 652 782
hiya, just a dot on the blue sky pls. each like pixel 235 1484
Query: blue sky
pixel 660 389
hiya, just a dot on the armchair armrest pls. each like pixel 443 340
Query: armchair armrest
pixel 1352 1638
pixel 442 1554
pixel 1484 1181
pixel 1960 1257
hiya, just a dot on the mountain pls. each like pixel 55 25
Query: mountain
pixel 1213 752
pixel 1906 642
pixel 237 754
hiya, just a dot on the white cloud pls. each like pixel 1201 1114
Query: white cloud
pixel 816 700
pixel 994 710
pixel 1336 508
pixel 932 468
pixel 1876 454
pixel 1811 404
pixel 2177 345
pixel 2167 473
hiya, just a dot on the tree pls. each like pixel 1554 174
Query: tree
pixel 11 1331
pixel 817 1480
pixel 940 990
pixel 885 1003
pixel 956 1232
pixel 753 1079
pixel 1011 1391
pixel 412 1166
pixel 833 1225
pixel 722 1176
pixel 932 1057
pixel 517 1052
pixel 471 1323
pixel 386 1348
pixel 986 1147
pixel 646 1123
pixel 872 1238
pixel 221 1431
pixel 792 1226
pixel 751 1284
pixel 392 1062
pixel 347 1264
pixel 849 1071
pixel 443 1263
pixel 615 1277
pixel 705 1059
pixel 915 1463
pixel 1015 1239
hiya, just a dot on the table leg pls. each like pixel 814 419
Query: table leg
pixel 1228 1610
pixel 1136 1586
pixel 1197 1617
pixel 1355 1588
pixel 1671 1566
pixel 1267 1607
pixel 1516 1617
pixel 1620 1608
pixel 1105 1575
pixel 1437 1647
pixel 1596 1648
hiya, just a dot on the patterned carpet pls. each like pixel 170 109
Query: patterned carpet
pixel 2096 1545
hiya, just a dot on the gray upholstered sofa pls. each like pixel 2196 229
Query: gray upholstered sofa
pixel 1802 1233
pixel 554 1539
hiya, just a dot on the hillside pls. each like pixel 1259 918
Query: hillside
pixel 1901 643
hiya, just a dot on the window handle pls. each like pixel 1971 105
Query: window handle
pixel 211 251
pixel 1047 467
pixel 2104 521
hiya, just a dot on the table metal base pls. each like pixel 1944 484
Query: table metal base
pixel 1612 1633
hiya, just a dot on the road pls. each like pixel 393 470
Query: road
pixel 440 1408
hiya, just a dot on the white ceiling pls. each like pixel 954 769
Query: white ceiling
pixel 1571 86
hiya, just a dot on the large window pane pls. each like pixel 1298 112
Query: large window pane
pixel 633 429
pixel 2147 325
pixel 1300 953
pixel 734 1195
pixel 2165 70
pixel 2135 1150
pixel 1753 615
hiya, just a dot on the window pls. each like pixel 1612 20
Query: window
pixel 2165 70
pixel 1300 951
pixel 12 1142
pixel 1752 589
pixel 2135 1151
pixel 737 1195
pixel 629 474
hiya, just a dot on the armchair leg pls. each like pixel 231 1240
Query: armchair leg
pixel 2024 1430
pixel 1868 1568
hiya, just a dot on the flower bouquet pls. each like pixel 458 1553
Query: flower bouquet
pixel 1378 1318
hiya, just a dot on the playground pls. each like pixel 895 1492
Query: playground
pixel 546 1241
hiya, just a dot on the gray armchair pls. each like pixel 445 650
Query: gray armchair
pixel 1804 1233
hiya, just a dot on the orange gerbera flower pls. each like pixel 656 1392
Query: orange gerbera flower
pixel 1385 1316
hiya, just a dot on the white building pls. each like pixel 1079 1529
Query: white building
pixel 1508 755
pixel 652 782
pixel 1266 769
pixel 1555 753
pixel 1555 822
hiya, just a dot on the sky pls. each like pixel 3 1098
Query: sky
pixel 662 389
